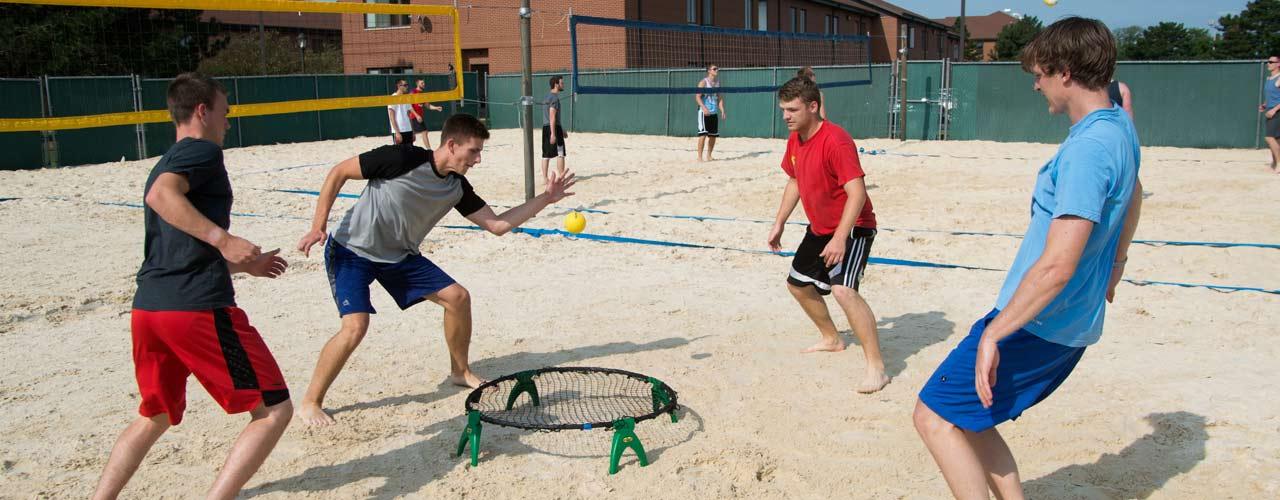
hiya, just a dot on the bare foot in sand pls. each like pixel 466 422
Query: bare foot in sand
pixel 836 345
pixel 311 414
pixel 467 380
pixel 874 382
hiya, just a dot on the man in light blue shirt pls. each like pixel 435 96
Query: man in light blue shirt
pixel 1084 211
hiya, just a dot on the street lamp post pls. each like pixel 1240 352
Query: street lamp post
pixel 302 50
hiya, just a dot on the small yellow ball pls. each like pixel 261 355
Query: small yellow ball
pixel 574 222
pixel 1051 3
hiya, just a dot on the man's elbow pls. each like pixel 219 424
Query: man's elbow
pixel 498 227
pixel 156 197
pixel 1058 274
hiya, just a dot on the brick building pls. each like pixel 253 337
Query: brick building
pixel 983 30
pixel 491 33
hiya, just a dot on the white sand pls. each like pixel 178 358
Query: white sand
pixel 1177 401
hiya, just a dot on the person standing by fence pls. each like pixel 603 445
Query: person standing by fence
pixel 1271 110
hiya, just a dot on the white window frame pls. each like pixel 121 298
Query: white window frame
pixel 386 21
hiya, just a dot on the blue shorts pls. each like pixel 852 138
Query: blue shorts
pixel 1030 369
pixel 409 281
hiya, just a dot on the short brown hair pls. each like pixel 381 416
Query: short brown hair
pixel 806 72
pixel 189 90
pixel 461 127
pixel 556 79
pixel 1078 45
pixel 801 87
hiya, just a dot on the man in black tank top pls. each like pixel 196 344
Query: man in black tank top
pixel 1121 95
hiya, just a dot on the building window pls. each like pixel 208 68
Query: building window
pixel 746 14
pixel 831 25
pixel 911 37
pixel 691 11
pixel 793 19
pixel 390 70
pixel 707 19
pixel 762 15
pixel 803 21
pixel 373 21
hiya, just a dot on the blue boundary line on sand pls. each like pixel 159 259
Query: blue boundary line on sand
pixel 538 233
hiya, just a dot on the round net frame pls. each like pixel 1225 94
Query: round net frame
pixel 554 399
pixel 571 398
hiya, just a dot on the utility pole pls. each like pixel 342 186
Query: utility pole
pixel 526 98
pixel 964 29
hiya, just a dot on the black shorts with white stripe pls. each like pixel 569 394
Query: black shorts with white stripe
pixel 808 268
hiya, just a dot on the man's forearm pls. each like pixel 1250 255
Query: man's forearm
pixel 852 207
pixel 1130 223
pixel 1038 288
pixel 328 194
pixel 790 197
pixel 174 208
pixel 517 215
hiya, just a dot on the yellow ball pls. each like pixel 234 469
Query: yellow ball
pixel 1051 3
pixel 574 222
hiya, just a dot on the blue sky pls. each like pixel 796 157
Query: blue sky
pixel 1116 13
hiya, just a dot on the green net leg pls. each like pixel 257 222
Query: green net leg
pixel 524 383
pixel 471 435
pixel 661 397
pixel 624 436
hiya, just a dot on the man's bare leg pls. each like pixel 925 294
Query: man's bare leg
pixel 456 302
pixel 332 358
pixel 426 138
pixel 546 163
pixel 560 165
pixel 863 322
pixel 128 452
pixel 256 441
pixel 1273 144
pixel 954 454
pixel 702 142
pixel 711 146
pixel 997 460
pixel 816 309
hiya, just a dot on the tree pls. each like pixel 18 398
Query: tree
pixel 1252 34
pixel 78 41
pixel 1014 37
pixel 282 56
pixel 1126 39
pixel 1172 42
pixel 972 49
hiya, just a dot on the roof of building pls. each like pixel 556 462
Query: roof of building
pixel 899 12
pixel 984 27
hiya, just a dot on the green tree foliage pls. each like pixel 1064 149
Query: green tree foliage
pixel 1252 34
pixel 281 56
pixel 1171 42
pixel 972 49
pixel 78 41
pixel 1126 39
pixel 1011 39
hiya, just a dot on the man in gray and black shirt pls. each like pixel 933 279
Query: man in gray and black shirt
pixel 410 189
pixel 553 134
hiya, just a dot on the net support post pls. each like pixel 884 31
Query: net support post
pixel 624 436
pixel 524 383
pixel 471 435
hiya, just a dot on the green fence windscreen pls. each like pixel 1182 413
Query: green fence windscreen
pixel 21 99
pixel 93 145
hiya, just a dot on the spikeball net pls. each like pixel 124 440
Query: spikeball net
pixel 570 398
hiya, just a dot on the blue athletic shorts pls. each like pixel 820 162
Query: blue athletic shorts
pixel 409 281
pixel 1030 369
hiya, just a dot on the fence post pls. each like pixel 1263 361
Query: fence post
pixel 139 129
pixel 667 116
pixel 315 81
pixel 50 137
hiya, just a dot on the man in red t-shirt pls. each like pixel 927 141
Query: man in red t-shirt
pixel 823 173
pixel 418 117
